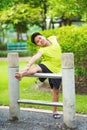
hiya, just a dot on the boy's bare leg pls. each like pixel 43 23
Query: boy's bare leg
pixel 55 94
pixel 32 70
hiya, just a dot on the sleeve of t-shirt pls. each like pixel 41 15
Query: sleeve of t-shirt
pixel 53 39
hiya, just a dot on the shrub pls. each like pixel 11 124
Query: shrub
pixel 24 53
pixel 31 47
pixel 3 47
pixel 3 53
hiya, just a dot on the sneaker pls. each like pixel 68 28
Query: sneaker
pixel 56 116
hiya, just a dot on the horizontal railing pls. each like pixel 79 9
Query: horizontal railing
pixel 36 102
pixel 46 75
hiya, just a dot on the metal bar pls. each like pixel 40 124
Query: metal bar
pixel 41 102
pixel 46 75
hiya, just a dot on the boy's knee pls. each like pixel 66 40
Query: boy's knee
pixel 38 68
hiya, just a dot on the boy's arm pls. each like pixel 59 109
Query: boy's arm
pixel 32 60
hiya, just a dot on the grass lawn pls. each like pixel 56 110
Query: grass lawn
pixel 29 91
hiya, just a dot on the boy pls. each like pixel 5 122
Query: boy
pixel 50 52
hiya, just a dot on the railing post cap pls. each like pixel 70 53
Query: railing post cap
pixel 67 60
pixel 13 60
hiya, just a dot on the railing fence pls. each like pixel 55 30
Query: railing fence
pixel 68 86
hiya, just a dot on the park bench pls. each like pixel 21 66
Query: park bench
pixel 16 46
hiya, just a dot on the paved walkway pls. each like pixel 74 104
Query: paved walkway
pixel 36 119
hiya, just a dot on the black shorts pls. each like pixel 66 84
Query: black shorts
pixel 53 82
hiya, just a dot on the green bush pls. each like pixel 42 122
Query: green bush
pixel 3 46
pixel 24 53
pixel 31 47
pixel 3 53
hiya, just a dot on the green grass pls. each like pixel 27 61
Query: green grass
pixel 3 83
pixel 29 91
pixel 81 103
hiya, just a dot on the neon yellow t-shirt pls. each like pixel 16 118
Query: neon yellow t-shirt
pixel 52 55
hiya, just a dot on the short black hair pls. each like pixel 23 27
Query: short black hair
pixel 33 36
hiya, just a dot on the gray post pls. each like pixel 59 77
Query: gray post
pixel 68 90
pixel 13 66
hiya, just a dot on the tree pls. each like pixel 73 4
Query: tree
pixel 21 16
pixel 67 10
pixel 43 5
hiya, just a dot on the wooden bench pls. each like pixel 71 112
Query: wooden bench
pixel 17 46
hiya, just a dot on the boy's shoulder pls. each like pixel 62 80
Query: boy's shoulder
pixel 53 38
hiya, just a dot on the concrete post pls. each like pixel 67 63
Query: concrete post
pixel 13 66
pixel 68 90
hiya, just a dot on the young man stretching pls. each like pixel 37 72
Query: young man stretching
pixel 50 52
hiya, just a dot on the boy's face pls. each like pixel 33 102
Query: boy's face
pixel 40 40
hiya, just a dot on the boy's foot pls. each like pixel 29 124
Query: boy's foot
pixel 18 75
pixel 56 116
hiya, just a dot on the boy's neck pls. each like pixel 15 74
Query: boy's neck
pixel 48 43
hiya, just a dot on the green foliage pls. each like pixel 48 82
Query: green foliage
pixel 74 39
pixel 24 53
pixel 68 9
pixel 21 14
pixel 3 53
pixel 3 46
pixel 32 47
pixel 5 3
